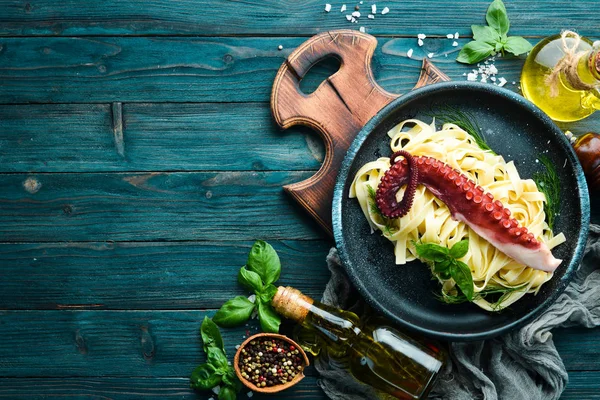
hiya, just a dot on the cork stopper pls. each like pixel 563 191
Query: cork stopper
pixel 291 303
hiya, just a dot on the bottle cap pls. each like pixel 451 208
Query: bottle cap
pixel 291 303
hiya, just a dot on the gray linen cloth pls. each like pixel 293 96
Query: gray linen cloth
pixel 523 364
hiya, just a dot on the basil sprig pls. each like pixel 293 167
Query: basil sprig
pixel 216 370
pixel 492 38
pixel 258 275
pixel 445 262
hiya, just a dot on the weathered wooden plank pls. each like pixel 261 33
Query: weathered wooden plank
pixel 579 348
pixel 275 17
pixel 175 69
pixel 151 207
pixel 582 385
pixel 150 343
pixel 188 275
pixel 106 343
pixel 157 137
pixel 138 388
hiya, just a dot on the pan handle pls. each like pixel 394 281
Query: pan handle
pixel 338 109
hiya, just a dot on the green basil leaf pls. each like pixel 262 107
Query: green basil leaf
pixel 474 51
pixel 499 46
pixel 269 320
pixel 267 294
pixel 235 312
pixel 250 279
pixel 216 357
pixel 431 251
pixel 227 393
pixel 230 379
pixel 460 249
pixel 442 266
pixel 517 45
pixel 445 275
pixel 204 377
pixel 461 273
pixel 263 260
pixel 497 17
pixel 485 34
pixel 211 336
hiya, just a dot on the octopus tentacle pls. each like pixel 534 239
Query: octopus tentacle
pixel 467 202
pixel 386 198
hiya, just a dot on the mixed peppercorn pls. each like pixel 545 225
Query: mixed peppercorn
pixel 270 362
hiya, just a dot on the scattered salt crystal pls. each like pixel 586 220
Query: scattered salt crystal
pixel 349 17
pixel 385 11
pixel 455 43
pixel 420 42
pixel 409 53
pixel 421 36
pixel 360 2
pixel 371 16
pixel 327 7
pixel 472 76
pixel 493 69
pixel 374 8
pixel 280 47
pixel 352 19
pixel 514 83
pixel 456 35
pixel 483 80
pixel 450 36
pixel 493 79
pixel 250 394
pixel 216 389
pixel 502 82
pixel 237 346
pixel 343 8
pixel 464 74
pixel 252 298
pixel 356 14
pixel 537 161
pixel 362 29
pixel 430 55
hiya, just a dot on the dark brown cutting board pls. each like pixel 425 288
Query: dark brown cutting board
pixel 338 109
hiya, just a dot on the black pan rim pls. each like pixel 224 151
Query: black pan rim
pixel 343 177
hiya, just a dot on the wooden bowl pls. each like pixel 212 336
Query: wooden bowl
pixel 269 389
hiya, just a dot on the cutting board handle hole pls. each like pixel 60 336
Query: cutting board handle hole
pixel 318 73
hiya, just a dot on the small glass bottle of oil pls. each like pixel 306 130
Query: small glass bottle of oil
pixel 567 103
pixel 378 354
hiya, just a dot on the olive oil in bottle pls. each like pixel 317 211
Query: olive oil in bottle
pixel 378 354
pixel 574 94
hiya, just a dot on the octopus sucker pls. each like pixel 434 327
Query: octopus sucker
pixel 467 202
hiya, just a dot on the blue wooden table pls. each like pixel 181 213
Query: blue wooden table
pixel 139 161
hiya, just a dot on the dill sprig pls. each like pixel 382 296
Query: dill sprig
pixel 458 298
pixel 549 184
pixel 465 121
pixel 388 229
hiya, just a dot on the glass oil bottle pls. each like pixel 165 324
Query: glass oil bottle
pixel 378 354
pixel 568 103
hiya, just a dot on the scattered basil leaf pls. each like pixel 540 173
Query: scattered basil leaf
pixel 211 336
pixel 216 357
pixel 431 251
pixel 250 279
pixel 267 294
pixel 269 320
pixel 474 52
pixel 497 17
pixel 485 34
pixel 263 260
pixel 204 377
pixel 234 312
pixel 231 379
pixel 227 393
pixel 517 45
pixel 460 249
pixel 492 38
pixel 461 273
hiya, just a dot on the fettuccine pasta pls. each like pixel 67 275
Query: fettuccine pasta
pixel 429 219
